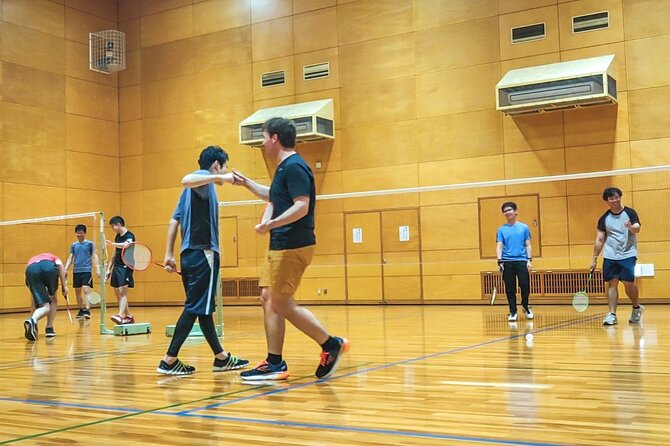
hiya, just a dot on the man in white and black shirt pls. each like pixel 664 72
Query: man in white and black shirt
pixel 617 233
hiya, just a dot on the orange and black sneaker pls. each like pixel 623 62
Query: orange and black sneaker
pixel 331 358
pixel 266 371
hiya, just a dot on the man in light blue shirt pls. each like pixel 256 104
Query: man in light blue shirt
pixel 83 257
pixel 514 259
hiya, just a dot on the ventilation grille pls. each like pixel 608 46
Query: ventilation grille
pixel 240 287
pixel 590 22
pixel 528 33
pixel 229 288
pixel 316 71
pixel 549 283
pixel 272 79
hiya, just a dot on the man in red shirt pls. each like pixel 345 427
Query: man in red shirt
pixel 42 275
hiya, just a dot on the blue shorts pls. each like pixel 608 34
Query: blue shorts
pixel 619 269
pixel 199 274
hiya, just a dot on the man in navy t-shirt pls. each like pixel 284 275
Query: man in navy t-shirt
pixel 197 213
pixel 292 241
pixel 514 259
pixel 617 233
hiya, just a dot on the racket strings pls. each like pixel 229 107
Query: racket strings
pixel 136 256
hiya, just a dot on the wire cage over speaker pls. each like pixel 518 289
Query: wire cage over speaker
pixel 107 51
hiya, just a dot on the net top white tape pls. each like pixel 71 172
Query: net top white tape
pixel 492 183
pixel 46 219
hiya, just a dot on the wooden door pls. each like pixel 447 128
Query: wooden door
pixel 363 256
pixel 228 241
pixel 401 257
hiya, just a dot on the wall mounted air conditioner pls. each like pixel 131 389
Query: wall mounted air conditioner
pixel 313 121
pixel 557 86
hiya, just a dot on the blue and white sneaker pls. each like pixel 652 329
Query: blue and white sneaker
pixel 266 371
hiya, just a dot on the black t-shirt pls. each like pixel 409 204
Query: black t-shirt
pixel 127 237
pixel 292 179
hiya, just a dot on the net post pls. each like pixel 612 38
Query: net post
pixel 103 282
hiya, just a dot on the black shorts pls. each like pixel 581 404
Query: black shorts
pixel 623 270
pixel 82 279
pixel 199 274
pixel 42 280
pixel 122 276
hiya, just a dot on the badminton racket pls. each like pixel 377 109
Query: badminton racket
pixel 136 256
pixel 580 300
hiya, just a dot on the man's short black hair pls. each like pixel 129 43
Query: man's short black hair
pixel 284 129
pixel 210 154
pixel 508 204
pixel 610 192
pixel 80 228
pixel 117 220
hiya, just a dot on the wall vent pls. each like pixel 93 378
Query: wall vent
pixel 273 79
pixel 316 71
pixel 590 22
pixel 528 33
pixel 563 283
pixel 245 287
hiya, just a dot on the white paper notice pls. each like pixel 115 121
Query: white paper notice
pixel 644 270
pixel 358 235
pixel 403 233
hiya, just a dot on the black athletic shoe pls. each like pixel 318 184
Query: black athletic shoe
pixel 176 368
pixel 331 358
pixel 49 332
pixel 81 314
pixel 30 328
pixel 232 362
pixel 87 314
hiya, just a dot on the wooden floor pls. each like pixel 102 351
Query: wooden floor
pixel 415 375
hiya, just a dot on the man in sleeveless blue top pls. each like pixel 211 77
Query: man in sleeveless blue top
pixel 197 214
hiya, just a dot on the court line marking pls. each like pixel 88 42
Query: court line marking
pixel 365 430
pixel 134 412
pixel 160 410
pixel 382 367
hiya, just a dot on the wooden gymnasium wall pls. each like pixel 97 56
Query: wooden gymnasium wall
pixel 413 84
pixel 59 145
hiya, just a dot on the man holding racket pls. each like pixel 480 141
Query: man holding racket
pixel 197 213
pixel 83 257
pixel 292 241
pixel 617 233
pixel 514 260
pixel 122 276
pixel 42 275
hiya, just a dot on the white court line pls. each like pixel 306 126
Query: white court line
pixel 505 385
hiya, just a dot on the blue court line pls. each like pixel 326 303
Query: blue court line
pixel 189 414
pixel 415 434
pixel 376 368
pixel 364 430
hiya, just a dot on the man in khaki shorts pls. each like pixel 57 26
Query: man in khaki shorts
pixel 292 241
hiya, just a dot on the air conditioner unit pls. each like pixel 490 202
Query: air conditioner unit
pixel 558 86
pixel 313 121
